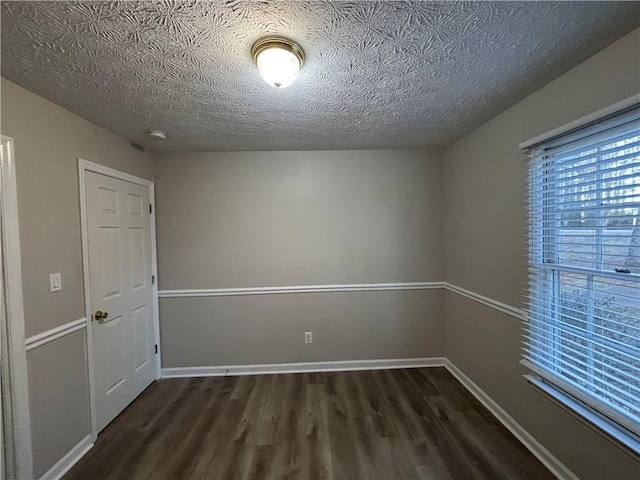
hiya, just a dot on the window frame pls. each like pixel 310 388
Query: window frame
pixel 545 226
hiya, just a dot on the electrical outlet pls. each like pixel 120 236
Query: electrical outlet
pixel 308 337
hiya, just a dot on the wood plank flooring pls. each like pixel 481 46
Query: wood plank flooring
pixel 385 424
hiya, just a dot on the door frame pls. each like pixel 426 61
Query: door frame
pixel 85 166
pixel 15 388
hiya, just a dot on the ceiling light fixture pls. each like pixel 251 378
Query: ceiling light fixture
pixel 278 59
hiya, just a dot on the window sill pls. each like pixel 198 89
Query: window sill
pixel 619 436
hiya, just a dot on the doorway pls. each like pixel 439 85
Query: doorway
pixel 15 426
pixel 120 288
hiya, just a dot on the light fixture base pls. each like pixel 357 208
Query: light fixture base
pixel 277 41
pixel 157 134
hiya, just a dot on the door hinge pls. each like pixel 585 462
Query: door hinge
pixel 150 208
pixel 153 279
pixel 156 349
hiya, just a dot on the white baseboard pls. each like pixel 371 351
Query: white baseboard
pixel 548 460
pixel 347 365
pixel 69 460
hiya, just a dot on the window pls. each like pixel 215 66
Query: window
pixel 583 335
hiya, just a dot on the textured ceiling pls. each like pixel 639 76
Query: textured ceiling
pixel 390 74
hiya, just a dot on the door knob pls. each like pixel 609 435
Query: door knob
pixel 100 315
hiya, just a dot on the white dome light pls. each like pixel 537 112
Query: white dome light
pixel 278 59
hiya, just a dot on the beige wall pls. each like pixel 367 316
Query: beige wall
pixel 257 219
pixel 48 139
pixel 485 251
pixel 59 398
pixel 264 329
pixel 247 219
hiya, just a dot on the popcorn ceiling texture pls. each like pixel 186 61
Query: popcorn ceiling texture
pixel 391 74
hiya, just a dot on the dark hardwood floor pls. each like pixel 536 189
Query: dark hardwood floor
pixel 385 424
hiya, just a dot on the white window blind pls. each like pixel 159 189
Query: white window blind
pixel 583 335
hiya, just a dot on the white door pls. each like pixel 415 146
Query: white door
pixel 118 233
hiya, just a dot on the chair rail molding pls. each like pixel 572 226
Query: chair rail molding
pixel 55 333
pixel 489 302
pixel 350 287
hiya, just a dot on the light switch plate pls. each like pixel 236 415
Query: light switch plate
pixel 55 282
